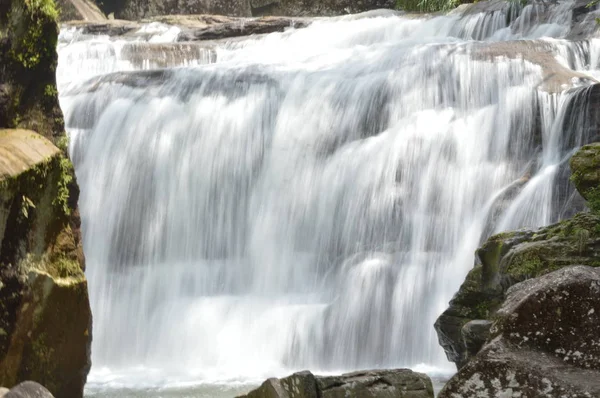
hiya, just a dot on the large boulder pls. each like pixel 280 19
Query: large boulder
pixel 505 260
pixel 393 383
pixel 544 342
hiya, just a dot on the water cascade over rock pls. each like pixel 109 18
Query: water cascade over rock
pixel 312 199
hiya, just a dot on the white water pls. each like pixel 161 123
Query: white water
pixel 303 200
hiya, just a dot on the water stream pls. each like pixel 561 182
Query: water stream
pixel 309 199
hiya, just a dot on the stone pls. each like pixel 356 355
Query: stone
pixel 29 389
pixel 585 169
pixel 21 150
pixel 392 383
pixel 298 385
pixel 475 333
pixel 544 341
pixel 45 317
pixel 509 258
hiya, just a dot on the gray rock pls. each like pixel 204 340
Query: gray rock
pixel 475 333
pixel 29 389
pixel 545 341
pixel 394 383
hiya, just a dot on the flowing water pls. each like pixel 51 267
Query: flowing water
pixel 309 199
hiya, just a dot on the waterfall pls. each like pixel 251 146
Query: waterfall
pixel 309 199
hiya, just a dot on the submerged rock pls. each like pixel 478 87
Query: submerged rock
pixel 545 341
pixel 393 383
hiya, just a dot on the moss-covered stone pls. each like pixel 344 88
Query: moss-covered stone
pixel 585 174
pixel 513 257
pixel 45 319
pixel 44 307
pixel 28 59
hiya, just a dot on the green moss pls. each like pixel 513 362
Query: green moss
pixel 593 198
pixel 29 21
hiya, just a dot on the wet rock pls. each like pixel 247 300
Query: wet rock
pixel 556 77
pixel 29 389
pixel 298 385
pixel 394 383
pixel 510 258
pixel 545 341
pixel 585 168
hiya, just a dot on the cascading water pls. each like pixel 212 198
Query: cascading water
pixel 307 199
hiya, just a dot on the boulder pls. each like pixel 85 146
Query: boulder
pixel 393 383
pixel 45 317
pixel 28 389
pixel 585 169
pixel 509 258
pixel 544 342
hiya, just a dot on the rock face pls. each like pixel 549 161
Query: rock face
pixel 545 341
pixel 45 319
pixel 395 383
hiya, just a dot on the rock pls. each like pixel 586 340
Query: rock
pixel 394 383
pixel 507 259
pixel 29 389
pixel 81 10
pixel 45 318
pixel 298 385
pixel 585 169
pixel 475 334
pixel 21 150
pixel 545 341
pixel 556 77
pixel 139 9
pixel 317 7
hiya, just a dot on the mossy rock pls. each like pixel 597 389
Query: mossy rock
pixel 507 259
pixel 28 59
pixel 585 174
pixel 51 341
